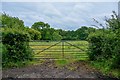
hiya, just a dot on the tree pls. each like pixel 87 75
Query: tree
pixel 11 22
pixel 113 23
pixel 56 36
pixel 34 34
pixel 43 28
pixel 82 33
pixel 40 25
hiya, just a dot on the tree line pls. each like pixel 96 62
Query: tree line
pixel 43 31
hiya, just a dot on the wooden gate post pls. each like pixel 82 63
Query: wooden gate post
pixel 63 49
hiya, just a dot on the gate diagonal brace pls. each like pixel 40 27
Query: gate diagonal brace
pixel 48 47
pixel 74 46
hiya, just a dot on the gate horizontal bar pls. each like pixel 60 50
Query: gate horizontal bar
pixel 56 49
pixel 61 51
pixel 55 45
pixel 53 40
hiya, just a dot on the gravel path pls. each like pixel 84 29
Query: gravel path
pixel 49 70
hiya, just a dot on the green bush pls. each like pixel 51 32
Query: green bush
pixel 34 34
pixel 95 46
pixel 116 52
pixel 104 46
pixel 108 45
pixel 101 44
pixel 16 48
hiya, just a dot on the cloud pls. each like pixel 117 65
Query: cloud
pixel 60 0
pixel 68 16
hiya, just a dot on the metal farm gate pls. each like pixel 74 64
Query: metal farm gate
pixel 59 49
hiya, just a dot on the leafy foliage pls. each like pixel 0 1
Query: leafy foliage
pixel 105 43
pixel 34 34
pixel 79 34
pixel 56 36
pixel 47 33
pixel 11 22
pixel 101 45
pixel 16 48
pixel 40 25
pixel 82 34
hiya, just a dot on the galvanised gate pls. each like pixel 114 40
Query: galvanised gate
pixel 59 49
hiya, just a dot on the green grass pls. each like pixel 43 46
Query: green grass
pixel 43 43
pixel 105 68
pixel 62 62
pixel 56 51
pixel 61 58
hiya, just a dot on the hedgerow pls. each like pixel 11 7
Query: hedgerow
pixel 105 43
pixel 15 47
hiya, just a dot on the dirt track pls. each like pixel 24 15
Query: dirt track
pixel 49 70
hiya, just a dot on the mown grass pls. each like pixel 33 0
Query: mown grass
pixel 70 54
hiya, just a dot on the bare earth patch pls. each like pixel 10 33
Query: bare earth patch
pixel 49 69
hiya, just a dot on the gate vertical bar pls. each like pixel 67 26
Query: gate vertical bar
pixel 63 49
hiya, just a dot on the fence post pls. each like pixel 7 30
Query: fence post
pixel 63 49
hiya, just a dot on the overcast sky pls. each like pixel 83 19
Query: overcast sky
pixel 64 15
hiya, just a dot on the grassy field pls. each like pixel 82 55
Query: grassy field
pixel 62 52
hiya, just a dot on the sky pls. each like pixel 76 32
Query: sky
pixel 60 15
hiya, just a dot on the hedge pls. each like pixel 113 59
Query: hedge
pixel 15 47
pixel 105 45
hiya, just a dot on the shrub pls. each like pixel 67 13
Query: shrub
pixel 105 46
pixel 34 34
pixel 116 53
pixel 101 44
pixel 95 46
pixel 16 48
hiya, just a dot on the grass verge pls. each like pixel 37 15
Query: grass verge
pixel 106 69
pixel 22 64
